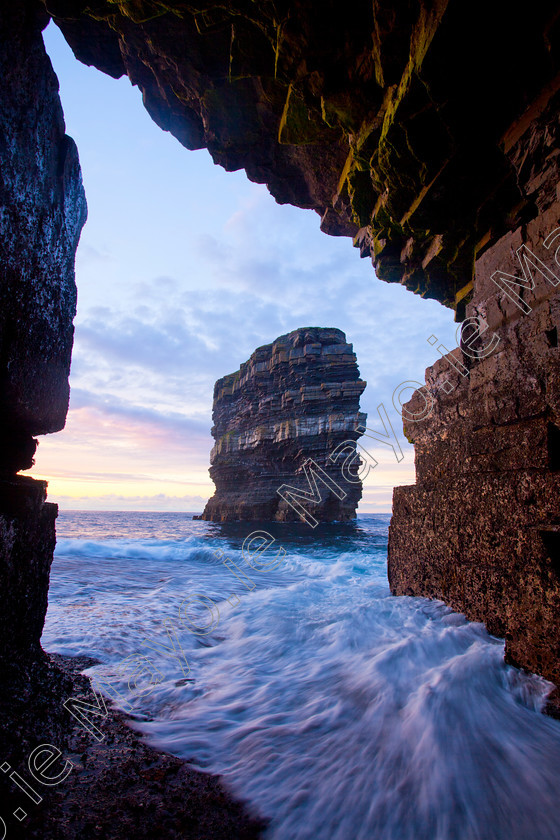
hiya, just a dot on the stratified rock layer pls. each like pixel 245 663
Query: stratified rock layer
pixel 481 528
pixel 295 399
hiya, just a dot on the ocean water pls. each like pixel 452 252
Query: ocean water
pixel 335 710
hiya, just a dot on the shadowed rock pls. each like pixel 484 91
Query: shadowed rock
pixel 392 121
pixel 481 527
pixel 43 210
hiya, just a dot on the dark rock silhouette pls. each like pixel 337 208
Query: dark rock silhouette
pixel 44 209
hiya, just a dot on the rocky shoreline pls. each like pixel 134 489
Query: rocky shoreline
pixel 117 788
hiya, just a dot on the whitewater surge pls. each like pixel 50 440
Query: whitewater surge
pixel 332 708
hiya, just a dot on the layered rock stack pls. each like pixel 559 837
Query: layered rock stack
pixel 295 399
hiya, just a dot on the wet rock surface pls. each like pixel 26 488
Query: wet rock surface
pixel 119 787
pixel 295 399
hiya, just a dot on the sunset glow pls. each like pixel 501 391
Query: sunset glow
pixel 178 273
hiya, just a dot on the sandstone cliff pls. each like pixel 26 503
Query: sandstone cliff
pixel 295 399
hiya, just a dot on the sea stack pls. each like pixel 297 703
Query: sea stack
pixel 293 402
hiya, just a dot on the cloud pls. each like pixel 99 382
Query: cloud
pixel 173 426
pixel 165 346
pixel 212 249
pixel 88 255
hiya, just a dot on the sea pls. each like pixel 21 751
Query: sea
pixel 275 656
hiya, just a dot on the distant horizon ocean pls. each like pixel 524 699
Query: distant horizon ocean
pixel 331 707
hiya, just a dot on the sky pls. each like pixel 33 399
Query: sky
pixel 183 270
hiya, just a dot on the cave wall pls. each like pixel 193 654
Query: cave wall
pixel 481 527
pixel 43 210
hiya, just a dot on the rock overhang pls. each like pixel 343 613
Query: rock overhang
pixel 394 124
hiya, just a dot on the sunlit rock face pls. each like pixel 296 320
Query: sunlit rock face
pixel 295 399
pixel 392 121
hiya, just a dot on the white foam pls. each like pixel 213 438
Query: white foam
pixel 334 709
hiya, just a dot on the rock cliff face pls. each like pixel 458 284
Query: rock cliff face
pixel 295 399
pixel 43 210
pixel 481 528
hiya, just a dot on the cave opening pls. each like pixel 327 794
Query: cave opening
pixel 178 272
pixel 437 158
